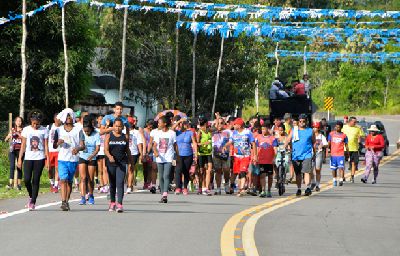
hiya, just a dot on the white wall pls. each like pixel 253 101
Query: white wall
pixel 111 96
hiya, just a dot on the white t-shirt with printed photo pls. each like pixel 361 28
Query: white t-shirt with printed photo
pixel 165 145
pixel 71 140
pixel 35 141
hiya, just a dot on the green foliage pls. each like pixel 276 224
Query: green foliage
pixel 45 59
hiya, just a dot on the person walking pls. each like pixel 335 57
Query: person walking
pixel 354 133
pixel 15 139
pixel 34 146
pixel 374 144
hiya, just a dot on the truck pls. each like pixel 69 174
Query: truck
pixel 295 105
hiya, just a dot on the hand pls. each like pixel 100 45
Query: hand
pixel 108 122
pixel 206 143
pixel 156 154
pixel 75 151
pixel 19 164
pixel 59 142
pixel 90 158
pixel 111 159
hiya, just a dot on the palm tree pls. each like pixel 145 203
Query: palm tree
pixel 217 80
pixel 194 76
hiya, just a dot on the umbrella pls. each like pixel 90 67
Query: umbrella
pixel 174 111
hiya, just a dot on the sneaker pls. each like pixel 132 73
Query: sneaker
pixel 352 179
pixel 241 193
pixel 363 180
pixel 9 186
pixel 164 200
pixel 313 185
pixel 218 192
pixel 28 203
pixel 55 190
pixel 204 192
pixel 129 190
pixel 373 181
pixel 68 209
pixel 298 193
pixel 269 195
pixel 64 206
pixel 335 183
pixel 83 201
pixel 208 193
pixel 91 200
pixel 340 183
pixel 119 208
pixel 252 192
pixel 20 188
pixel 263 194
pixel 317 188
pixel 153 190
pixel 146 185
pixel 226 189
pixel 178 191
pixel 111 207
pixel 76 189
pixel 185 192
pixel 308 192
pixel 31 207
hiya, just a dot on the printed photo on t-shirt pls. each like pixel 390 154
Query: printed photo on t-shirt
pixel 163 145
pixel 35 143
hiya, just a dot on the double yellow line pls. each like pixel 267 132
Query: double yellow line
pixel 241 226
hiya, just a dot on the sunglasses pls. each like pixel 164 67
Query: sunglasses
pixel 302 121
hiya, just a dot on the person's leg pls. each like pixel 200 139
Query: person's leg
pixel 178 173
pixel 76 180
pixel 130 176
pixel 12 158
pixel 341 172
pixel 368 164
pixel 208 175
pixel 120 173
pixel 166 173
pixel 19 170
pixel 297 165
pixel 270 179
pixel 100 171
pixel 376 160
pixel 160 167
pixel 154 174
pixel 83 170
pixel 263 182
pixel 111 170
pixel 187 164
pixel 91 173
pixel 106 181
pixel 28 170
pixel 38 166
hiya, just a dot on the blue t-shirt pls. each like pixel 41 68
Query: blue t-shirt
pixel 242 143
pixel 111 117
pixel 303 148
pixel 184 142
pixel 90 143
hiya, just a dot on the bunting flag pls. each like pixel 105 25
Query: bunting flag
pixel 380 57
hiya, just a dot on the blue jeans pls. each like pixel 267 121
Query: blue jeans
pixel 164 170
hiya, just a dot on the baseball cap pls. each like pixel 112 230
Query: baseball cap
pixel 238 121
pixel 316 125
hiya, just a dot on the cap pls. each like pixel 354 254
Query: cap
pixel 316 125
pixel 287 115
pixel 303 116
pixel 78 114
pixel 239 121
pixel 131 120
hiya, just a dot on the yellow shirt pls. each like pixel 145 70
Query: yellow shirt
pixel 353 134
pixel 288 128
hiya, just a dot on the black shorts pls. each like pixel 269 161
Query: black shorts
pixel 135 159
pixel 203 160
pixel 89 163
pixel 302 166
pixel 100 157
pixel 354 157
pixel 266 168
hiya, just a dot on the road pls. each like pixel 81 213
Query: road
pixel 356 219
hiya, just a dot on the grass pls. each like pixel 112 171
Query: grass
pixel 44 180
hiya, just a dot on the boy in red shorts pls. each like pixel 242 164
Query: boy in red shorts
pixel 53 155
pixel 244 151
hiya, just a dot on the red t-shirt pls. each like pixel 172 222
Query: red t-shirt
pixel 378 142
pixel 265 148
pixel 300 89
pixel 337 143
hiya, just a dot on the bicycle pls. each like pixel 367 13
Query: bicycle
pixel 281 169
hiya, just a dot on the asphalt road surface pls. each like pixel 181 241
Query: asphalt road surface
pixel 356 219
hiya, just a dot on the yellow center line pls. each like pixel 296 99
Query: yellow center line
pixel 228 235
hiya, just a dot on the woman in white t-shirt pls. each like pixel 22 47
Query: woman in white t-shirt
pixel 164 144
pixel 34 145
pixel 101 163
pixel 320 144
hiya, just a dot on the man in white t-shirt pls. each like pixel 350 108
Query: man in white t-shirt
pixel 70 142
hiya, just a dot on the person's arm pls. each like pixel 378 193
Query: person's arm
pixel 106 126
pixel 81 146
pixel 367 143
pixel 288 139
pixel 194 145
pixel 46 152
pixel 155 150
pixel 313 143
pixel 129 154
pixel 8 137
pixel 107 149
pixel 96 150
pixel 21 152
pixel 381 142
